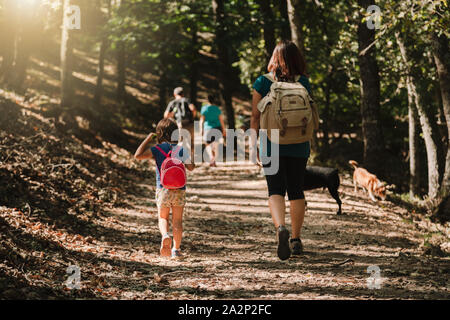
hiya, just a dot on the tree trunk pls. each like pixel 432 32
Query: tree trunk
pixel 100 72
pixel 162 86
pixel 442 211
pixel 23 53
pixel 325 118
pixel 121 62
pixel 294 8
pixel 225 68
pixel 25 41
pixel 414 140
pixel 370 96
pixel 66 61
pixel 285 24
pixel 193 79
pixel 327 90
pixel 425 121
pixel 101 64
pixel 268 27
pixel 442 60
pixel 8 38
pixel 121 76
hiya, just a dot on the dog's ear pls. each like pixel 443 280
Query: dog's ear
pixel 390 187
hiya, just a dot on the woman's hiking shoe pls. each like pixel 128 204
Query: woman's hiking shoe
pixel 297 247
pixel 284 251
pixel 166 245
pixel 176 254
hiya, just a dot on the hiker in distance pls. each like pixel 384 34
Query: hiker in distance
pixel 212 123
pixel 184 113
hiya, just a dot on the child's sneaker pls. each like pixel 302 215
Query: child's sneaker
pixel 176 254
pixel 166 244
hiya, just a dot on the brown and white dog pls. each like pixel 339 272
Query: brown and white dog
pixel 368 181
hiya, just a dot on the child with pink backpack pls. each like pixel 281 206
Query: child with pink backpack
pixel 170 182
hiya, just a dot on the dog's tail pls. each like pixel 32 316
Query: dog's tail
pixel 354 163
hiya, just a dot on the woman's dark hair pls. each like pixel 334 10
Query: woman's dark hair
pixel 165 129
pixel 212 99
pixel 287 61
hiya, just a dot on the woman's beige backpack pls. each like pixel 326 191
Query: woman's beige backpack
pixel 288 108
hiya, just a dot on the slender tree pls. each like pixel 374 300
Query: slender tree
pixel 441 56
pixel 425 121
pixel 121 60
pixel 370 95
pixel 8 37
pixel 294 8
pixel 285 27
pixel 101 61
pixel 414 140
pixel 67 91
pixel 268 22
pixel 328 82
pixel 24 44
pixel 163 87
pixel 194 74
pixel 225 68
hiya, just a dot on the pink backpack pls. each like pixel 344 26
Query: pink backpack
pixel 173 171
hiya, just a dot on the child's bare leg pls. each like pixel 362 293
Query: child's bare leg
pixel 215 150
pixel 166 241
pixel 163 220
pixel 209 150
pixel 177 225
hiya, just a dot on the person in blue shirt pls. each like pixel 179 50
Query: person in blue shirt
pixel 213 126
pixel 166 199
pixel 287 64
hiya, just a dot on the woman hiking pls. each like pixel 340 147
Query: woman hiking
pixel 286 65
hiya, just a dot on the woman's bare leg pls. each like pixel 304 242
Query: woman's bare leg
pixel 297 212
pixel 278 210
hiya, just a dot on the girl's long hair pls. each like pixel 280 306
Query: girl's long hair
pixel 287 61
pixel 165 129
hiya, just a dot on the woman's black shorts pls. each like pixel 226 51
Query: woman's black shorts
pixel 289 178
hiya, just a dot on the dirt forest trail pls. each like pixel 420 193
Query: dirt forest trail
pixel 230 247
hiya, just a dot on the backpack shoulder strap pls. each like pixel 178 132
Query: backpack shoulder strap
pixel 176 150
pixel 270 77
pixel 162 151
